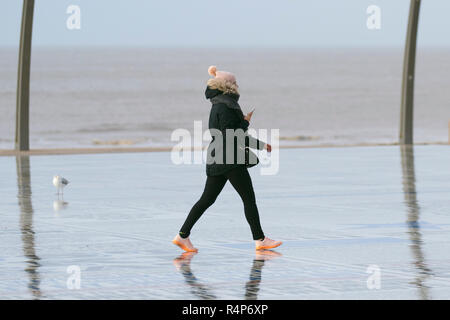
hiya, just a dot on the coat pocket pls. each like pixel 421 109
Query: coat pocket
pixel 251 159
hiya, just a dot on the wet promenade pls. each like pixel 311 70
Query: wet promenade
pixel 357 223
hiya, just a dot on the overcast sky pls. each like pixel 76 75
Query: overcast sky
pixel 231 23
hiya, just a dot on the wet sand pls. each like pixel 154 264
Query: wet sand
pixel 356 223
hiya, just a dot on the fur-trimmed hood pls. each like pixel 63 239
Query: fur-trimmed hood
pixel 223 91
pixel 227 87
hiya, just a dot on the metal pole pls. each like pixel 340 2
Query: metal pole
pixel 23 78
pixel 407 104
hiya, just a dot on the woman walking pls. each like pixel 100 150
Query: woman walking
pixel 226 115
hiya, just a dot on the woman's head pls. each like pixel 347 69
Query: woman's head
pixel 228 76
pixel 223 81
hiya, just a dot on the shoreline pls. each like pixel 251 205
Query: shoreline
pixel 68 151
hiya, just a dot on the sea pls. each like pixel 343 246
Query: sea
pixel 88 97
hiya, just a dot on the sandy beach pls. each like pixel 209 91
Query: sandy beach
pixel 340 213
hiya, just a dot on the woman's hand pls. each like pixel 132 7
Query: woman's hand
pixel 268 147
pixel 248 116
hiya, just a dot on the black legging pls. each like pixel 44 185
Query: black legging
pixel 241 181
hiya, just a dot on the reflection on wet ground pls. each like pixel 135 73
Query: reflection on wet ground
pixel 183 265
pixel 24 196
pixel 413 222
pixel 252 286
pixel 341 213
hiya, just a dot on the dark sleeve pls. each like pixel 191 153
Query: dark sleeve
pixel 254 143
pixel 231 119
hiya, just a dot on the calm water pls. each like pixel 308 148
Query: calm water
pixel 97 97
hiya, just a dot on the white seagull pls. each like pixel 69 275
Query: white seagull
pixel 60 182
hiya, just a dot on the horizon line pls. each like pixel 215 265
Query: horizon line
pixel 131 46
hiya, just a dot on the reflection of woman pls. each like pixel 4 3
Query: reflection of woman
pixel 226 115
pixel 252 286
pixel 183 265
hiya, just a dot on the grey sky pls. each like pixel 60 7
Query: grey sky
pixel 231 23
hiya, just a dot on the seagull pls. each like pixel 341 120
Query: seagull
pixel 60 182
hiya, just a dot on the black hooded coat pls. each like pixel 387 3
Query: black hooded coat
pixel 228 129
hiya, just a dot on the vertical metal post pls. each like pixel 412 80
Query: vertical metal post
pixel 23 78
pixel 407 104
